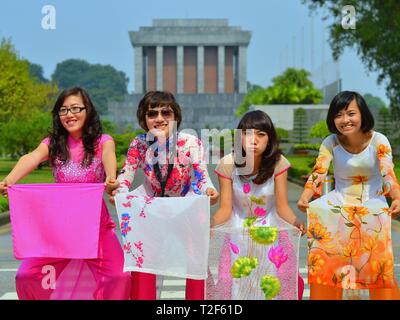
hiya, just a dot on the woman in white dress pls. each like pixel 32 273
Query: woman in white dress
pixel 255 215
pixel 349 229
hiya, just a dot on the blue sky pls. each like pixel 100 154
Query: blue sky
pixel 97 31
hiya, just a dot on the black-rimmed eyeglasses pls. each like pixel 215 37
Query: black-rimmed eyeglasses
pixel 74 109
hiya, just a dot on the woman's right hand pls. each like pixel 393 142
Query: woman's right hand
pixel 3 188
pixel 302 204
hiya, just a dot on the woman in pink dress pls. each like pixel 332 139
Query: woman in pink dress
pixel 78 153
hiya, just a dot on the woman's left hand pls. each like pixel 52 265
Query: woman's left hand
pixel 213 194
pixel 394 209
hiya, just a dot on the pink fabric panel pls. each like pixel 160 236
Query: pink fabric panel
pixel 56 220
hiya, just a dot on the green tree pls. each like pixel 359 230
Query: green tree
pixel 384 123
pixel 109 127
pixel 291 87
pixel 300 127
pixel 36 71
pixel 283 135
pixel 256 96
pixel 23 134
pixel 374 102
pixel 19 92
pixel 376 39
pixel 319 130
pixel 103 82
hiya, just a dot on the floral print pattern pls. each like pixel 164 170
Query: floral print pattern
pixel 189 156
pixel 262 256
pixel 349 229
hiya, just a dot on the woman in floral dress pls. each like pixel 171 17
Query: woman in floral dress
pixel 168 159
pixel 349 229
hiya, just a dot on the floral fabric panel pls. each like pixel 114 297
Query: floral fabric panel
pixel 349 246
pixel 255 255
pixel 165 236
pixel 253 263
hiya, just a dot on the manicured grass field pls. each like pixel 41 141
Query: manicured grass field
pixel 43 175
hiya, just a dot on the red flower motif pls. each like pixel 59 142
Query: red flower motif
pixel 181 143
pixel 260 212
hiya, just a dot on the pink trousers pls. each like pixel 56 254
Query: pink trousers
pixel 72 279
pixel 144 287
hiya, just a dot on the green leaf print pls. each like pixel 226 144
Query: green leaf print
pixel 248 222
pixel 334 279
pixel 257 200
pixel 264 235
pixel 271 286
pixel 243 266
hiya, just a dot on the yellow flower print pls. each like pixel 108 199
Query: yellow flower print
pixel 315 263
pixel 350 251
pixel 308 185
pixel 353 211
pixel 359 179
pixel 319 168
pixel 312 216
pixel 318 232
pixel 383 269
pixel 383 150
pixel 370 244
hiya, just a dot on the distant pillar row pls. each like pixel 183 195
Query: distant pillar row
pixel 191 69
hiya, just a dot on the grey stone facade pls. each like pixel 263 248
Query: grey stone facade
pixel 201 107
pixel 190 32
pixel 205 111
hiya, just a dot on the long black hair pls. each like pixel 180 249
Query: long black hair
pixel 259 120
pixel 92 129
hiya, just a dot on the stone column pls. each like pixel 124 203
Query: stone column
pixel 242 72
pixel 221 69
pixel 179 69
pixel 200 69
pixel 139 69
pixel 159 67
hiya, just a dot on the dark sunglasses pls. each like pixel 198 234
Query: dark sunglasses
pixel 165 113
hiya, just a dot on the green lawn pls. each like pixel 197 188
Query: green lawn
pixel 43 175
